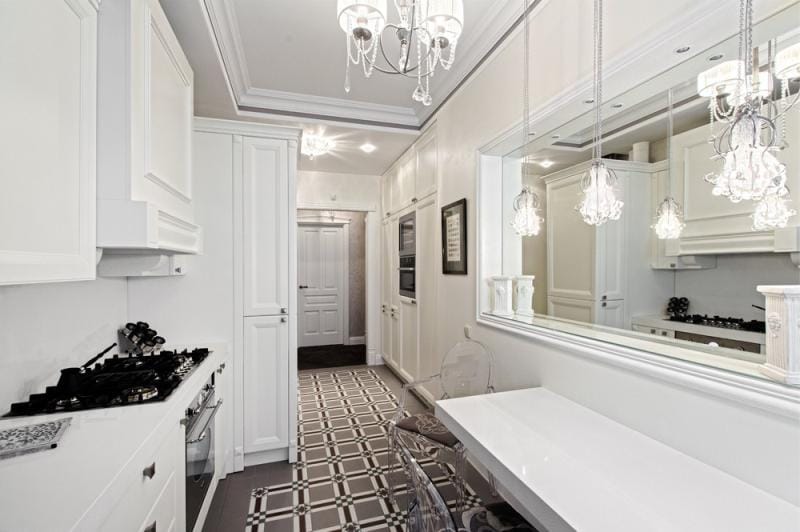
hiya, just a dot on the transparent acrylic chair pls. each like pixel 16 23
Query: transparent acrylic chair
pixel 427 510
pixel 466 370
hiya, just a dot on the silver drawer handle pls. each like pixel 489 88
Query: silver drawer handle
pixel 214 409
pixel 283 311
pixel 149 471
pixel 283 320
pixel 221 367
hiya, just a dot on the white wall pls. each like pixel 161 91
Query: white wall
pixel 47 327
pixel 338 191
pixel 745 442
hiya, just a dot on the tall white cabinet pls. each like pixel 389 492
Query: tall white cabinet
pixel 264 251
pixel 47 140
pixel 593 272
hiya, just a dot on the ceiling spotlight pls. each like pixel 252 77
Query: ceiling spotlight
pixel 617 106
pixel 682 49
pixel 547 163
pixel 368 148
pixel 556 136
pixel 588 101
pixel 716 57
pixel 316 145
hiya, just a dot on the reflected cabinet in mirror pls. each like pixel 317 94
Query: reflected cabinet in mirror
pixel 702 164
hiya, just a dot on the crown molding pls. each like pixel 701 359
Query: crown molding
pixel 251 129
pixel 229 42
pixel 308 104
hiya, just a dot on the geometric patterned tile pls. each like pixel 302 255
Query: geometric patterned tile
pixel 339 481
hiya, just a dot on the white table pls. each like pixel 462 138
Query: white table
pixel 566 467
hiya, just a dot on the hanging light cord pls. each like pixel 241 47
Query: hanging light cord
pixel 598 81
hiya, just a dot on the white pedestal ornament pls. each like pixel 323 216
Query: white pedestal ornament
pixel 502 287
pixel 783 333
pixel 524 291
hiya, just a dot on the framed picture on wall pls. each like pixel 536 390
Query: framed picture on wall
pixel 454 238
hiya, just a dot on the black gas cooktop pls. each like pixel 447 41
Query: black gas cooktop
pixel 723 323
pixel 116 381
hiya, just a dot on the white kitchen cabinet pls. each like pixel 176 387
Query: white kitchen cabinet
pixel 145 113
pixel 266 384
pixel 386 193
pixel 714 224
pixel 429 261
pixel 403 182
pixel 386 290
pixel 265 178
pixel 409 327
pixel 426 175
pixel 581 310
pixel 47 140
pixel 394 294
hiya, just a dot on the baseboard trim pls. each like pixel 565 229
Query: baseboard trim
pixel 266 457
pixel 374 358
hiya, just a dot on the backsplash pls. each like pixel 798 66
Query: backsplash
pixel 46 327
pixel 730 288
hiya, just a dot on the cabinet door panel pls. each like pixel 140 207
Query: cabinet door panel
pixel 428 267
pixel 409 339
pixel 571 243
pixel 612 314
pixel 386 290
pixel 266 384
pixel 47 143
pixel 581 310
pixel 427 161
pixel 266 233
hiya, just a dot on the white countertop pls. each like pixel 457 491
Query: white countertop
pixel 570 468
pixel 59 488
pixel 663 322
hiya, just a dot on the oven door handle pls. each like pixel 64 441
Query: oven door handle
pixel 405 269
pixel 203 432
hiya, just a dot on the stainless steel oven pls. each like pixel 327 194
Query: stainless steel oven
pixel 200 465
pixel 407 276
pixel 408 235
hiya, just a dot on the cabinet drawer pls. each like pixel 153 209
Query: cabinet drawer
pixel 163 514
pixel 146 482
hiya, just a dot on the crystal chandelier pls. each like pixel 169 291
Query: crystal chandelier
pixel 772 212
pixel 741 100
pixel 669 217
pixel 315 145
pixel 599 203
pixel 527 221
pixel 427 32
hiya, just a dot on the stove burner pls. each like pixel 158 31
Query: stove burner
pixel 116 381
pixel 722 323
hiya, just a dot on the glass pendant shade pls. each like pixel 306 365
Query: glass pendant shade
pixel 599 203
pixel 772 212
pixel 316 145
pixel 669 220
pixel 787 63
pixel 723 79
pixel 369 15
pixel 444 20
pixel 527 221
pixel 750 170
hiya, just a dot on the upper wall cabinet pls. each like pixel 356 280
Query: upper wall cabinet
pixel 47 140
pixel 714 224
pixel 145 94
pixel 413 177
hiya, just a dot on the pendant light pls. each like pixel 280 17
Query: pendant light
pixel 527 221
pixel 599 203
pixel 669 217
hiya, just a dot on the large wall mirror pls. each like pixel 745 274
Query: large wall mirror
pixel 692 295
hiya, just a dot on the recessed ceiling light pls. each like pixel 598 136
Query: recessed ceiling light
pixel 556 136
pixel 716 57
pixel 547 163
pixel 618 105
pixel 532 134
pixel 588 100
pixel 315 145
pixel 682 49
pixel 368 148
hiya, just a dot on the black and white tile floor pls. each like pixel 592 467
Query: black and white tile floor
pixel 339 481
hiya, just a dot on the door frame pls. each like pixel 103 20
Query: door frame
pixel 344 223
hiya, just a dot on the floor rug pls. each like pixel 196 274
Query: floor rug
pixel 340 481
pixel 331 356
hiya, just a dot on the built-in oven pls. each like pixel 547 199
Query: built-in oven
pixel 408 235
pixel 199 422
pixel 407 274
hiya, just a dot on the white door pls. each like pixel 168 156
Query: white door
pixel 266 383
pixel 387 274
pixel 265 176
pixel 321 252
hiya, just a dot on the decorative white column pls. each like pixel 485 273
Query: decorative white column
pixel 783 333
pixel 502 287
pixel 524 291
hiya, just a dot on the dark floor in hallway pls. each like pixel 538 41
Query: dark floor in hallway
pixel 331 356
pixel 339 480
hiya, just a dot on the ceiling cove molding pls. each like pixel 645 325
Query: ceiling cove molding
pixel 226 33
pixel 292 102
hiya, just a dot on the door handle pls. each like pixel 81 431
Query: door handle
pixel 302 286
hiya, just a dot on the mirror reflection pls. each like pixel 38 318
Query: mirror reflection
pixel 691 207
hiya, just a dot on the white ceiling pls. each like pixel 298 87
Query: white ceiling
pixel 283 61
